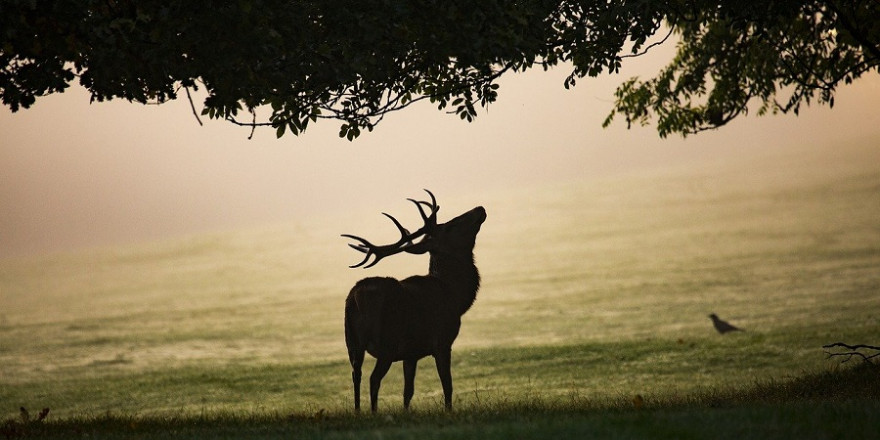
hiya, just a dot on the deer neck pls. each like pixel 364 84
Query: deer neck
pixel 459 273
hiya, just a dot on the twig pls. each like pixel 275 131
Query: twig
pixel 650 46
pixel 853 351
pixel 193 106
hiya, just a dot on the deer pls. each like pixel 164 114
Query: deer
pixel 407 320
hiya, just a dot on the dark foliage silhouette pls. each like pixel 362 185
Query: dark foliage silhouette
pixel 285 64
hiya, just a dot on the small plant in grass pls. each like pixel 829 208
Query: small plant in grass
pixel 15 428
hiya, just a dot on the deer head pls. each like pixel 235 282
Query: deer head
pixel 455 236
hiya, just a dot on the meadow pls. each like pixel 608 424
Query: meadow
pixel 592 318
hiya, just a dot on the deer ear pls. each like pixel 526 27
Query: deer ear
pixel 420 247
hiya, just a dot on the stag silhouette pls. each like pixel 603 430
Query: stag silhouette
pixel 407 320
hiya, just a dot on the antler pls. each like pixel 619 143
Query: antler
pixel 406 238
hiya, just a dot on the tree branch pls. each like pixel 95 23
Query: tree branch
pixel 193 106
pixel 853 350
pixel 652 45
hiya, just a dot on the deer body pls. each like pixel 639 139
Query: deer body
pixel 407 320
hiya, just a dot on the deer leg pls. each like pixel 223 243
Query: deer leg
pixel 356 381
pixel 443 359
pixel 379 372
pixel 357 360
pixel 409 378
pixel 356 348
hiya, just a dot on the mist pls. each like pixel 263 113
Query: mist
pixel 75 175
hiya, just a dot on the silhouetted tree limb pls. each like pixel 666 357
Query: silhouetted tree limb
pixel 193 106
pixel 852 350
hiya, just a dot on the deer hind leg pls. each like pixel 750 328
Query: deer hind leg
pixel 379 372
pixel 356 348
pixel 443 359
pixel 356 357
pixel 409 378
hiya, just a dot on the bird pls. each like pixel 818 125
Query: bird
pixel 723 326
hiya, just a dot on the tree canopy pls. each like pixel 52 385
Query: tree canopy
pixel 288 63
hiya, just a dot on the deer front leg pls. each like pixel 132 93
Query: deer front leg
pixel 409 378
pixel 443 360
pixel 379 372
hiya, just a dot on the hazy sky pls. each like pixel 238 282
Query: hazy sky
pixel 74 174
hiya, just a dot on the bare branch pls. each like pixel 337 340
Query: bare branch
pixel 248 124
pixel 254 121
pixel 651 46
pixel 853 351
pixel 193 106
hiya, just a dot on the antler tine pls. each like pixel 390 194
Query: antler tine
pixel 404 233
pixel 366 247
pixel 433 200
pixel 432 206
pixel 419 206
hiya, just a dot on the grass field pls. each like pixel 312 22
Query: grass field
pixel 594 292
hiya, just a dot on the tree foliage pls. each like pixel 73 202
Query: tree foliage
pixel 780 54
pixel 297 61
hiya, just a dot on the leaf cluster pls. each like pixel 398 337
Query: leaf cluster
pixel 754 55
pixel 355 62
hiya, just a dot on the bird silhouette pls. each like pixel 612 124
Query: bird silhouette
pixel 723 326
